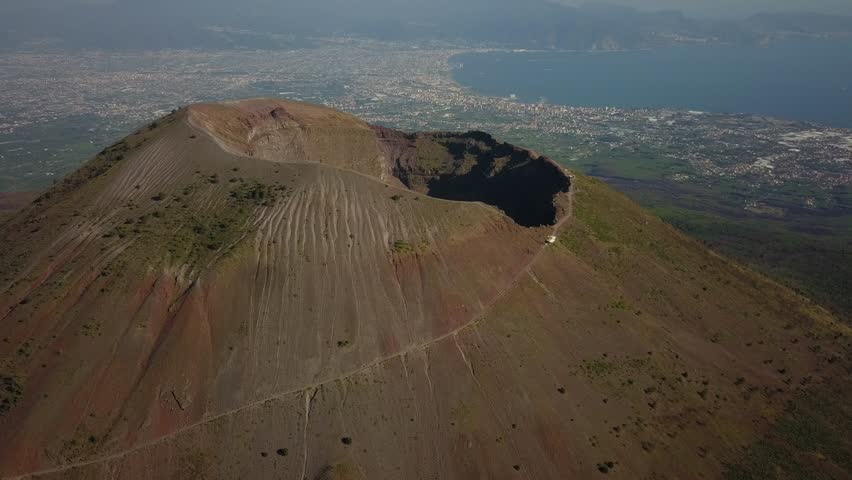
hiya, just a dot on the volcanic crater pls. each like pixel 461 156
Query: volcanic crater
pixel 472 166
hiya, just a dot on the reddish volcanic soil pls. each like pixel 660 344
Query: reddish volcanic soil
pixel 269 289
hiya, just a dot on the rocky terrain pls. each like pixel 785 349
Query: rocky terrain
pixel 265 289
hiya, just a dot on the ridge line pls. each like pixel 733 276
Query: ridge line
pixel 238 154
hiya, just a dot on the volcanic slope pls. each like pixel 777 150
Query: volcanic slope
pixel 268 289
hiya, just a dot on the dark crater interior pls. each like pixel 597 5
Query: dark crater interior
pixel 473 166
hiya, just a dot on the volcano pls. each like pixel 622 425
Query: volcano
pixel 272 289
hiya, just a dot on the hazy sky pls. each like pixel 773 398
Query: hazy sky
pixel 182 23
pixel 704 8
pixel 731 8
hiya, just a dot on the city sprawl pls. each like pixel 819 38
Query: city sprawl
pixel 59 108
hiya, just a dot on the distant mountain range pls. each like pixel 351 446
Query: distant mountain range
pixel 536 24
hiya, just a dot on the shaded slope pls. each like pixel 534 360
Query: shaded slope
pixel 11 202
pixel 240 317
pixel 475 167
pixel 277 130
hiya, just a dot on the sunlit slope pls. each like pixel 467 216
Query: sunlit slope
pixel 278 130
pixel 177 309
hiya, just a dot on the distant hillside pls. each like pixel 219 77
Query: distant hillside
pixel 258 24
pixel 269 289
pixel 806 23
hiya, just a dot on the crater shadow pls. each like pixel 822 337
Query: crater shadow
pixel 474 167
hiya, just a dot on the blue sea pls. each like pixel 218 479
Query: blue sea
pixel 808 80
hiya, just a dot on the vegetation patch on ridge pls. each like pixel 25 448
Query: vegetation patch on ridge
pixel 404 247
pixel 192 235
pixel 102 163
pixel 11 388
